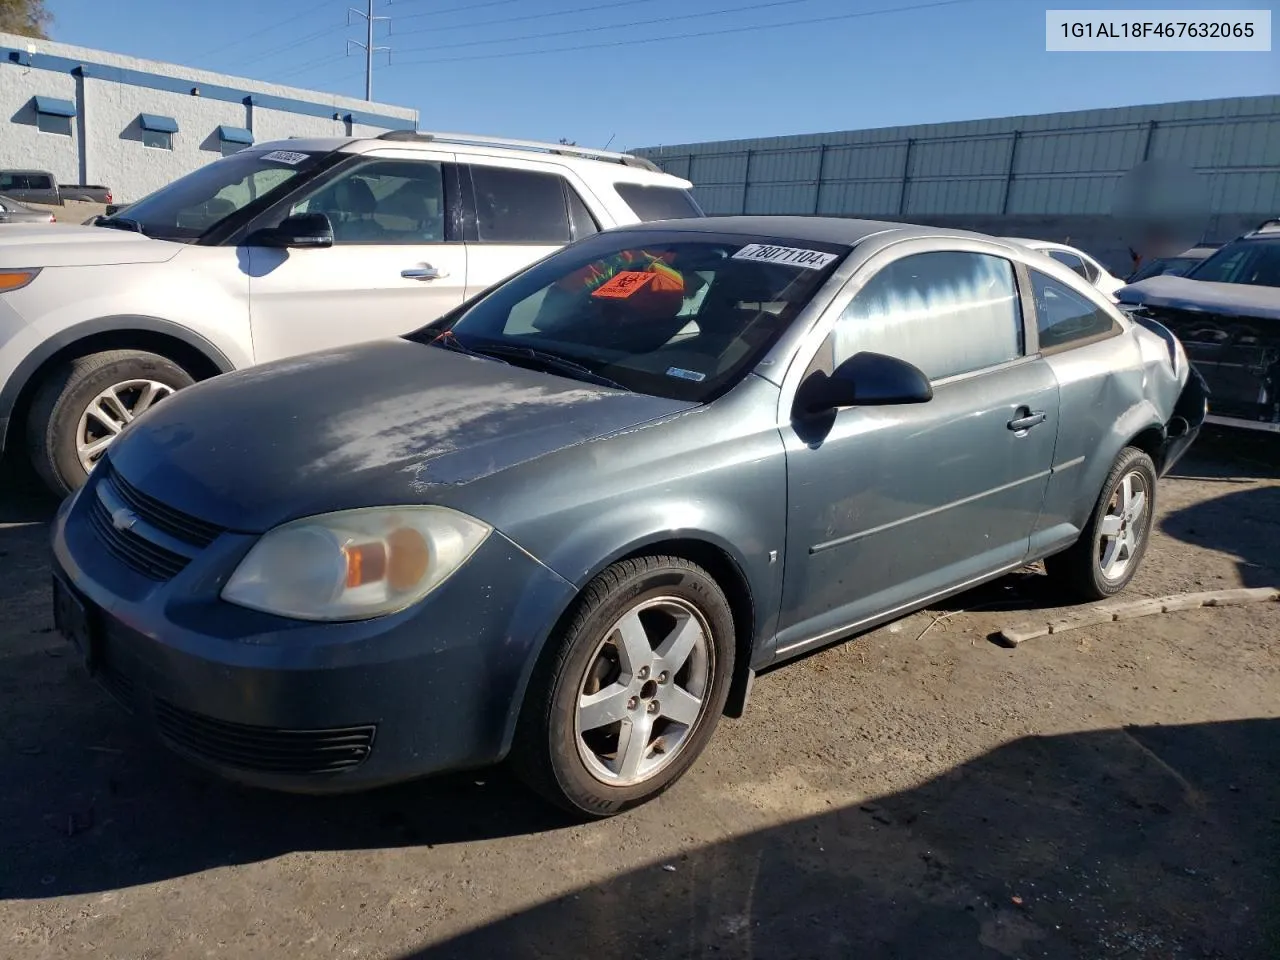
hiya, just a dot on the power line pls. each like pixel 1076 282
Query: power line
pixel 691 36
pixel 612 26
pixel 465 6
pixel 309 12
pixel 301 41
pixel 500 20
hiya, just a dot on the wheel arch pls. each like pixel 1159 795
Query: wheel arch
pixel 191 351
pixel 708 551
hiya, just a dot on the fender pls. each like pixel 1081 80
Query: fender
pixel 25 370
pixel 763 581
pixel 1140 418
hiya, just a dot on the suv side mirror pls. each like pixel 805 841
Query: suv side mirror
pixel 864 380
pixel 302 230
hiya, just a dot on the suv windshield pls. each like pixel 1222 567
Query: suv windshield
pixel 1255 262
pixel 191 206
pixel 677 315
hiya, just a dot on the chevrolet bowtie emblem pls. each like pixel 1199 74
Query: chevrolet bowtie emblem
pixel 123 519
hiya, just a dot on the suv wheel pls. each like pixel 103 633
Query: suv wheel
pixel 1106 557
pixel 627 698
pixel 82 407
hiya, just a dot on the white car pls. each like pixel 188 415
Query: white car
pixel 282 249
pixel 1077 260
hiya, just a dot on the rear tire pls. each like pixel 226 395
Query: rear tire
pixel 1110 549
pixel 80 408
pixel 626 697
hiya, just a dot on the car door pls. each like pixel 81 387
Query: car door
pixel 890 505
pixel 397 261
pixel 519 212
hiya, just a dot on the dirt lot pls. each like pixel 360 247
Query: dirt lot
pixel 1112 792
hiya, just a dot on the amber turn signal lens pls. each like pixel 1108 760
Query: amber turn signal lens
pixel 15 279
pixel 410 557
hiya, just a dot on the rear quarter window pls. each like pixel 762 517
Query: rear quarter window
pixel 1065 318
pixel 650 202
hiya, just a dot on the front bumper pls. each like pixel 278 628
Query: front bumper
pixel 310 707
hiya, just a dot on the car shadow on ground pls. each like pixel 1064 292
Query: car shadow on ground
pixel 1147 842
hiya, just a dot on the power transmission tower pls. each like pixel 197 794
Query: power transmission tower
pixel 368 46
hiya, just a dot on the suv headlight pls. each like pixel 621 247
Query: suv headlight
pixel 354 564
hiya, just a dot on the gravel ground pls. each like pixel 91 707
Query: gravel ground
pixel 1109 792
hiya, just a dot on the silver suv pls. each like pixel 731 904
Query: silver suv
pixel 281 249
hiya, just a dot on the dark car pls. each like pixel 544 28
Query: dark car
pixel 1226 311
pixel 567 522
pixel 1177 266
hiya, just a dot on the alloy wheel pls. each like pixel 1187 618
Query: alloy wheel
pixel 644 691
pixel 110 412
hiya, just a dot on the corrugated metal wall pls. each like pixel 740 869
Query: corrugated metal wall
pixel 1060 164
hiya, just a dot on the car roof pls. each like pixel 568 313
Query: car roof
pixel 621 167
pixel 841 230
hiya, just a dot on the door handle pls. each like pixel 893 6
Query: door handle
pixel 1026 420
pixel 424 271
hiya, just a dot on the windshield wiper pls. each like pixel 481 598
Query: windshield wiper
pixel 120 223
pixel 550 360
pixel 449 341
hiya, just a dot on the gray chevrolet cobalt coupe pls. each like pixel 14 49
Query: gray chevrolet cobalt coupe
pixel 567 523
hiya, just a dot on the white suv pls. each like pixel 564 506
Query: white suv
pixel 281 249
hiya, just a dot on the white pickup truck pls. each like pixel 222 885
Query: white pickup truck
pixel 281 249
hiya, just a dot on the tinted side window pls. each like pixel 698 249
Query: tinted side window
pixel 948 312
pixel 1064 317
pixel 520 206
pixel 584 224
pixel 385 201
pixel 1070 260
pixel 1091 270
pixel 39 183
pixel 658 203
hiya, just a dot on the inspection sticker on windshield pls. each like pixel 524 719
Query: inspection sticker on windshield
pixel 790 256
pixel 623 284
pixel 285 156
pixel 683 374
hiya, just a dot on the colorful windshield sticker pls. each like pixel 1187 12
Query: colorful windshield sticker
pixel 595 275
pixel 623 285
pixel 787 256
pixel 683 374
pixel 285 156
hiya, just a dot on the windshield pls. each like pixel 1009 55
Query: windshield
pixel 677 315
pixel 192 205
pixel 1255 262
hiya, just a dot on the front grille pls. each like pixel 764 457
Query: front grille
pixel 136 551
pixel 136 544
pixel 263 749
pixel 198 533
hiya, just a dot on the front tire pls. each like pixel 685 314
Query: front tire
pixel 80 409
pixel 1106 557
pixel 627 696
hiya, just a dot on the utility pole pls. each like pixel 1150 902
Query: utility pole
pixel 368 47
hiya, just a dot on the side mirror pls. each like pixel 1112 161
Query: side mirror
pixel 303 230
pixel 864 380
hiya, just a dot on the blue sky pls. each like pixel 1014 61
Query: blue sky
pixel 465 63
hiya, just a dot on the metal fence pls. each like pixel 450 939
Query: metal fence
pixel 1051 164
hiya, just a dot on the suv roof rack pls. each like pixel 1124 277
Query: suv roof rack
pixel 424 136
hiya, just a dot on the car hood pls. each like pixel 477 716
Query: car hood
pixel 1182 293
pixel 55 245
pixel 386 422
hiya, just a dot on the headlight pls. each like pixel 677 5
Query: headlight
pixel 11 280
pixel 354 564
